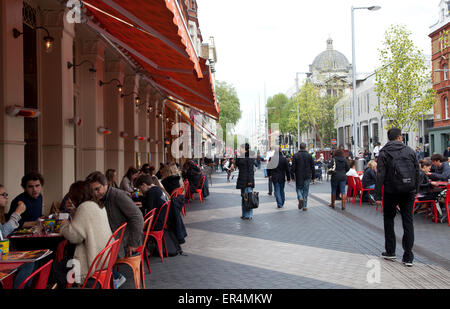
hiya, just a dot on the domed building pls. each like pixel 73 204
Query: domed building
pixel 331 72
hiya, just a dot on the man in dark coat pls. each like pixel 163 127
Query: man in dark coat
pixel 278 170
pixel 303 168
pixel 388 176
pixel 246 178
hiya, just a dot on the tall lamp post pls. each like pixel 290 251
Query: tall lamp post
pixel 355 132
pixel 298 114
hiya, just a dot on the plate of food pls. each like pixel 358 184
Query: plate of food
pixel 24 231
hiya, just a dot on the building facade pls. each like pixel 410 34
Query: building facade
pixel 371 125
pixel 440 46
pixel 81 91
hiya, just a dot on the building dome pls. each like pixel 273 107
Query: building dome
pixel 331 60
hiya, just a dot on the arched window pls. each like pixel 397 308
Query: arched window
pixel 445 69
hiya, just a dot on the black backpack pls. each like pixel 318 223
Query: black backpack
pixel 403 171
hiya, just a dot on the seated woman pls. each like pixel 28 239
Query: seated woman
pixel 193 174
pixel 89 229
pixel 369 179
pixel 171 179
pixel 352 171
pixel 111 175
pixel 7 227
pixel 127 183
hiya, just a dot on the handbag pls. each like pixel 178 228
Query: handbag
pixel 251 200
pixel 332 171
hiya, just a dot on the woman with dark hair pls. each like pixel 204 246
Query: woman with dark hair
pixel 89 229
pixel 246 178
pixel 127 183
pixel 338 178
pixel 111 175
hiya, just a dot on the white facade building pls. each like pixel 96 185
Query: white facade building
pixel 371 125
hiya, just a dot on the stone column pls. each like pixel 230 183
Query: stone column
pixel 56 101
pixel 114 116
pixel 91 103
pixel 130 119
pixel 12 143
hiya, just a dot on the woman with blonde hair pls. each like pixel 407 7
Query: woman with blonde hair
pixel 172 179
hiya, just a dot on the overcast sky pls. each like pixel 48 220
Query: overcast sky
pixel 262 42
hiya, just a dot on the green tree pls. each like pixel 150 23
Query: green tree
pixel 229 105
pixel 276 110
pixel 403 82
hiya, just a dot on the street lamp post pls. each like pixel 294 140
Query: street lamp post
pixel 355 132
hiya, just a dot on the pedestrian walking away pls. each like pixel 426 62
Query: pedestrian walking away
pixel 246 178
pixel 398 172
pixel 338 177
pixel 304 171
pixel 278 171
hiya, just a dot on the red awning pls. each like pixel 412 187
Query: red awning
pixel 155 36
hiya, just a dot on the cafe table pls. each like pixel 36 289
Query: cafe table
pixel 10 263
pixel 32 241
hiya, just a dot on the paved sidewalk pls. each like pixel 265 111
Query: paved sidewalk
pixel 291 249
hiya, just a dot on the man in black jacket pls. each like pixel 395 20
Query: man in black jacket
pixel 278 172
pixel 398 172
pixel 303 168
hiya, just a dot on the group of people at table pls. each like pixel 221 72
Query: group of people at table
pixel 434 171
pixel 97 208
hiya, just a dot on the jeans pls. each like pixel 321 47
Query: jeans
pixel 303 191
pixel 279 193
pixel 335 185
pixel 405 201
pixel 23 273
pixel 246 213
pixel 270 186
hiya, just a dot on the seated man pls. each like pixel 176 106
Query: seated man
pixel 32 198
pixel 440 170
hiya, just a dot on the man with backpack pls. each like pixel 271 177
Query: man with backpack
pixel 398 172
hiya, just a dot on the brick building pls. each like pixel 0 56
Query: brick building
pixel 440 46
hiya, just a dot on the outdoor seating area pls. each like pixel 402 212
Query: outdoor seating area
pixel 356 191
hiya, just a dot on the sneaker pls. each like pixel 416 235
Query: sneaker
pixel 388 256
pixel 372 199
pixel 408 263
pixel 119 281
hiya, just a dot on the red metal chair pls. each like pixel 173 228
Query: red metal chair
pixel 199 191
pixel 136 263
pixel 40 282
pixel 382 200
pixel 177 192
pixel 433 203
pixel 102 275
pixel 360 189
pixel 121 230
pixel 60 250
pixel 159 235
pixel 187 190
pixel 351 191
